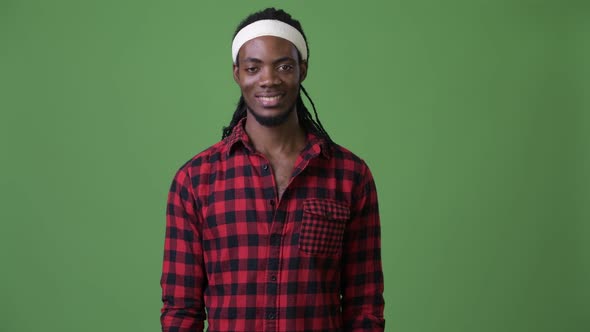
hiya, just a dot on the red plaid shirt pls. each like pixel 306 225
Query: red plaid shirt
pixel 310 261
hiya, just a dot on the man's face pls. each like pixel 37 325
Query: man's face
pixel 268 72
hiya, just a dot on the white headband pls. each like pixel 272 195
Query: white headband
pixel 268 28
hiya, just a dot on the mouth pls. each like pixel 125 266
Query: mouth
pixel 269 100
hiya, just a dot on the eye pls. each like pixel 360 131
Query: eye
pixel 251 70
pixel 285 67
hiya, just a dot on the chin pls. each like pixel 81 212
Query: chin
pixel 272 120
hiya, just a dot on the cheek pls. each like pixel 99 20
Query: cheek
pixel 247 83
pixel 291 78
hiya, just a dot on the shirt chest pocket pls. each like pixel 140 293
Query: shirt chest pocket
pixel 322 227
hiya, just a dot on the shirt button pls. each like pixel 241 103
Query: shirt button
pixel 270 315
pixel 265 167
pixel 273 278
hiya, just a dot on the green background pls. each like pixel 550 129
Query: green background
pixel 473 115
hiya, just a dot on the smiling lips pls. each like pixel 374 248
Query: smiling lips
pixel 269 100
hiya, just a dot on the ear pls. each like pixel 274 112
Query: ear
pixel 236 70
pixel 302 71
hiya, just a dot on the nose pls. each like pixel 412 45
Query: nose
pixel 269 77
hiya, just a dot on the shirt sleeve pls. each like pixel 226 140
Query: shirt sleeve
pixel 362 275
pixel 183 276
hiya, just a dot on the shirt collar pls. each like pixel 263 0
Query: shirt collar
pixel 239 137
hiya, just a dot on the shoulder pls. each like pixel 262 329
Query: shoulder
pixel 348 159
pixel 354 167
pixel 204 162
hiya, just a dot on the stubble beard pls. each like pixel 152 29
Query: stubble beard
pixel 272 121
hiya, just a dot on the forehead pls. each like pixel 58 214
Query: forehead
pixel 268 48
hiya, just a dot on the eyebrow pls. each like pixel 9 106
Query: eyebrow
pixel 283 59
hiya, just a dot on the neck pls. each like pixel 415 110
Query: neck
pixel 285 138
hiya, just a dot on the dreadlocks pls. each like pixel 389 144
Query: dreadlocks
pixel 305 118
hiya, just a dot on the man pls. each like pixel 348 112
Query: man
pixel 274 228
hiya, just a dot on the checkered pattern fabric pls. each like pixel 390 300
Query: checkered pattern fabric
pixel 236 255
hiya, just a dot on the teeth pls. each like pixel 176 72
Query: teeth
pixel 270 99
